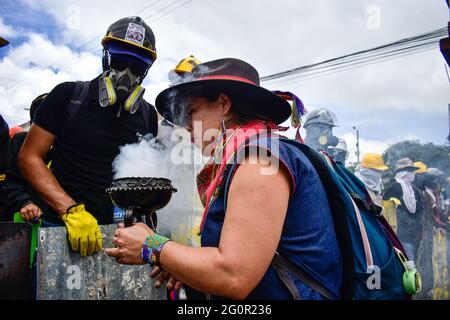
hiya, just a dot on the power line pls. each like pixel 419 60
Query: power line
pixel 86 53
pixel 401 47
pixel 321 73
pixel 339 66
pixel 180 6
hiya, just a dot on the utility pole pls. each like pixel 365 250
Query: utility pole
pixel 448 138
pixel 357 143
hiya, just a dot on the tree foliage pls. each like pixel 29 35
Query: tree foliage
pixel 434 156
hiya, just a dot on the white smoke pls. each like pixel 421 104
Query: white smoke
pixel 171 155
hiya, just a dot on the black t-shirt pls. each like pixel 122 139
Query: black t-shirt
pixel 84 149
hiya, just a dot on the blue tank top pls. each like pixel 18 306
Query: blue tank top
pixel 308 238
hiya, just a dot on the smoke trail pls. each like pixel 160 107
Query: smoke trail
pixel 171 156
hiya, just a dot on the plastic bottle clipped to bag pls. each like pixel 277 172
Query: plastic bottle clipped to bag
pixel 412 281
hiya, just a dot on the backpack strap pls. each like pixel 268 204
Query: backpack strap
pixel 79 96
pixel 281 265
pixel 354 198
pixel 145 106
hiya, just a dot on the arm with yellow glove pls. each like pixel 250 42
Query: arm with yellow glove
pixel 83 230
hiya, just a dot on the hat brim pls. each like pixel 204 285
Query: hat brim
pixel 411 168
pixel 260 102
pixel 382 168
pixel 3 42
pixel 119 46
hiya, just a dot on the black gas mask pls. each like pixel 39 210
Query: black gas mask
pixel 122 82
pixel 320 136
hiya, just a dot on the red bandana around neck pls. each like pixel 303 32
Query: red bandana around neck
pixel 210 178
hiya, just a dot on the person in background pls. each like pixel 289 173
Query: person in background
pixel 339 152
pixel 4 145
pixel 319 126
pixel 426 183
pixel 20 195
pixel 183 70
pixel 84 124
pixel 410 210
pixel 370 171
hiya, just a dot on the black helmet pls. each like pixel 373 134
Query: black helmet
pixel 132 31
pixel 3 42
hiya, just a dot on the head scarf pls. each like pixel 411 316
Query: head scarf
pixel 406 178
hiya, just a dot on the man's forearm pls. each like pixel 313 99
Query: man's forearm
pixel 45 183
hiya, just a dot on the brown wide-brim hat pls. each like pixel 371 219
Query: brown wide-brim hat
pixel 234 76
pixel 405 164
pixel 3 42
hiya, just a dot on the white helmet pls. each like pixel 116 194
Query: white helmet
pixel 323 115
pixel 342 145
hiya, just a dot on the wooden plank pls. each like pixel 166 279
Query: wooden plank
pixel 63 274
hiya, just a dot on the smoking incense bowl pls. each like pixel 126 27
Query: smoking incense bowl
pixel 140 198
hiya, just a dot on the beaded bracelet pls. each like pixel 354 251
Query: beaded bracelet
pixel 151 249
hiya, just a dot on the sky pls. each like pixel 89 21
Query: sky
pixel 53 41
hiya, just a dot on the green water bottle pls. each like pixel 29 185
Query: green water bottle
pixel 412 282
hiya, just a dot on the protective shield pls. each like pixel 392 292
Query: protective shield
pixel 65 275
pixel 15 275
pixel 440 267
pixel 390 213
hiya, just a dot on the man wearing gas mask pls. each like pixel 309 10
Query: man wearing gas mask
pixel 85 123
pixel 339 152
pixel 319 126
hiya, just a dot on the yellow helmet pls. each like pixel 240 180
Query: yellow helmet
pixel 373 161
pixel 422 167
pixel 186 65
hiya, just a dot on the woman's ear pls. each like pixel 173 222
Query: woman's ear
pixel 226 103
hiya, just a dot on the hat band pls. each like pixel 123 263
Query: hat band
pixel 226 77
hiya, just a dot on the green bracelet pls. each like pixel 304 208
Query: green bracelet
pixel 154 244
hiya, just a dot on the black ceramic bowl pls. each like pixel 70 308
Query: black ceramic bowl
pixel 141 194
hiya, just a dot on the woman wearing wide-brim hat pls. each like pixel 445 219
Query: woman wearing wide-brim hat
pixel 254 208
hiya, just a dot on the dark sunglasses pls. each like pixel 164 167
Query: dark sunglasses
pixel 121 62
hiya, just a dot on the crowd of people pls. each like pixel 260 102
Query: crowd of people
pixel 414 200
pixel 58 170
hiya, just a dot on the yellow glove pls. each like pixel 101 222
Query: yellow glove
pixel 395 201
pixel 83 230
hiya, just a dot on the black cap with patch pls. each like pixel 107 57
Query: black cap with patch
pixel 132 31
